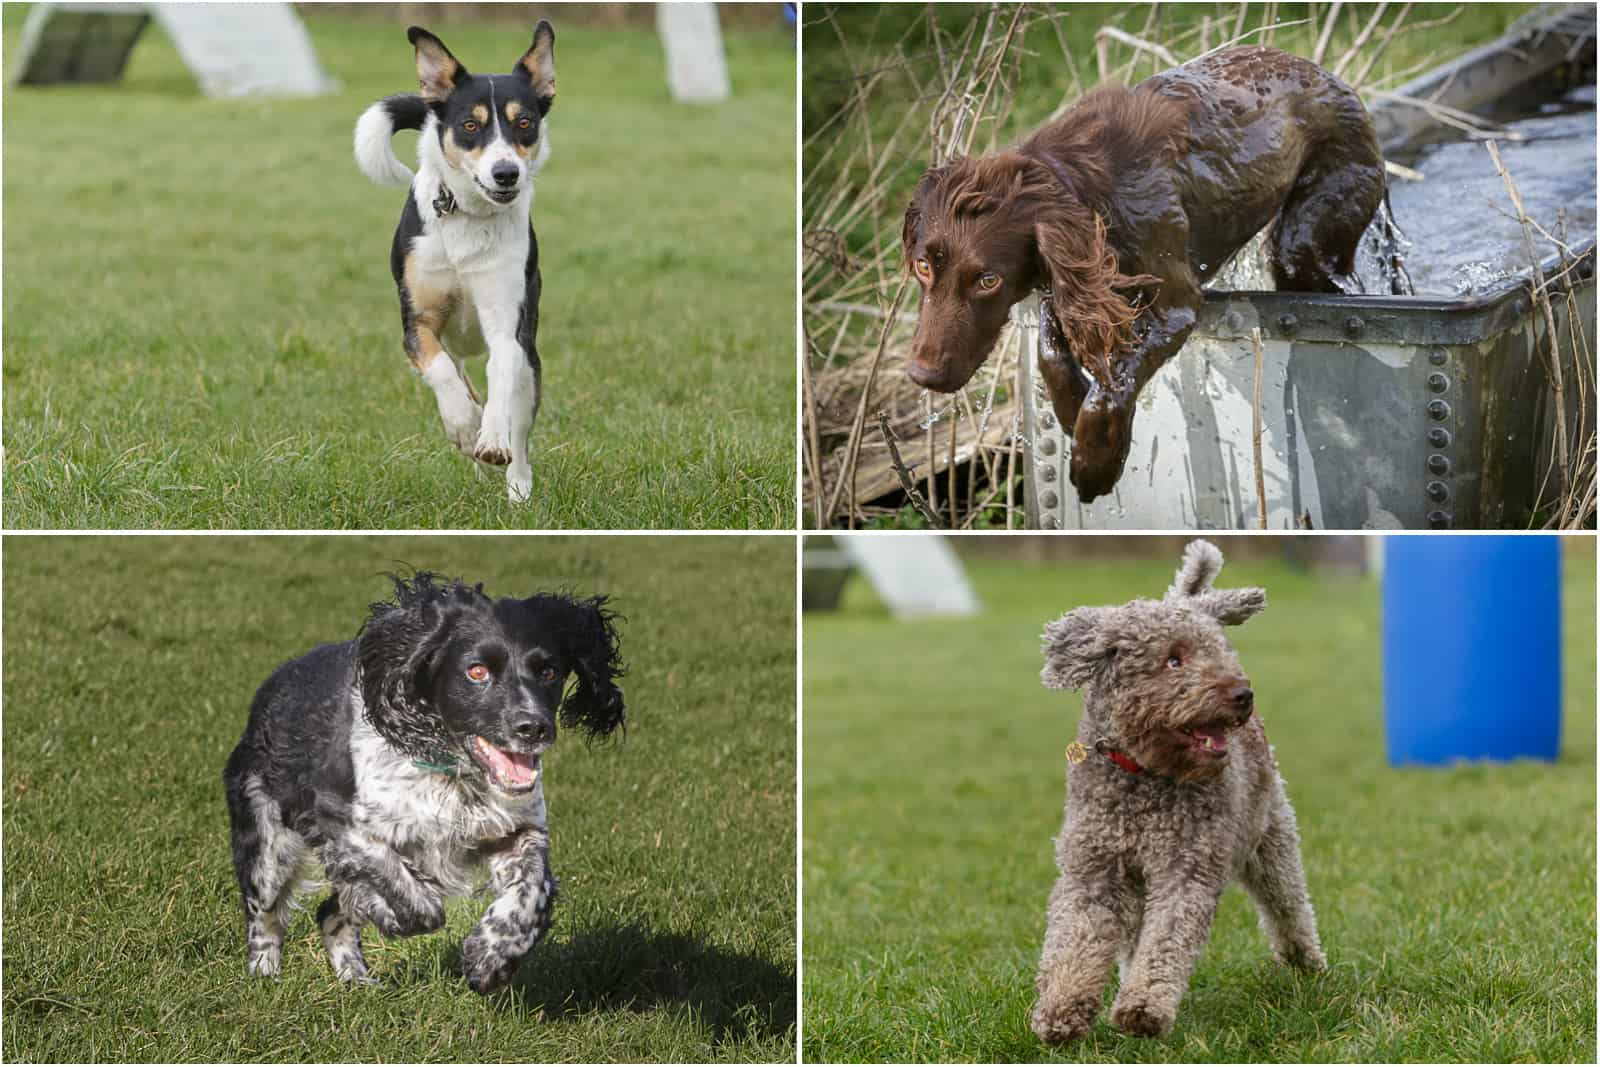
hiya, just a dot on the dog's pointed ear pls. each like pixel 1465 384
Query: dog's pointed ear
pixel 588 634
pixel 397 653
pixel 438 72
pixel 1202 562
pixel 538 63
pixel 1076 646
pixel 1231 607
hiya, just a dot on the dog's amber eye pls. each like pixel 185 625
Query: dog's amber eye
pixel 1174 661
pixel 988 281
pixel 478 672
pixel 547 675
pixel 924 270
pixel 524 124
pixel 470 126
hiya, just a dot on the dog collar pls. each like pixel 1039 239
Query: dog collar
pixel 445 203
pixel 1077 752
pixel 439 764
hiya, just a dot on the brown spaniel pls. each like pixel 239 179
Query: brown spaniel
pixel 1121 210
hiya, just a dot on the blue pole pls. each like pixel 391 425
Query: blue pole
pixel 1471 648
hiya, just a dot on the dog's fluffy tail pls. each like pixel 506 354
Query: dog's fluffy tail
pixel 377 124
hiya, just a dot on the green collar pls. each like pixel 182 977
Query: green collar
pixel 440 763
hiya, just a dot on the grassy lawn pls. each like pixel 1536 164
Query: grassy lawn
pixel 1457 907
pixel 129 666
pixel 200 328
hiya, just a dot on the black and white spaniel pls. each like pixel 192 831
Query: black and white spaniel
pixel 405 759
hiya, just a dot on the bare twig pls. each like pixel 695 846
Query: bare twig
pixel 1255 438
pixel 918 501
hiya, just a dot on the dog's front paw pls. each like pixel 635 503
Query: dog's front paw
pixel 1142 1019
pixel 1305 957
pixel 494 442
pixel 266 961
pixel 1056 1023
pixel 423 916
pixel 485 968
pixel 519 482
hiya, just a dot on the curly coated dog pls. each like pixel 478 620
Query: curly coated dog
pixel 1122 209
pixel 1173 794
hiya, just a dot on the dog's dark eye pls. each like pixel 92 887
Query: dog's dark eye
pixel 470 126
pixel 988 281
pixel 1174 661
pixel 547 674
pixel 478 672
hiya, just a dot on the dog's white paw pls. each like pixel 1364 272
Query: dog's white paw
pixel 266 962
pixel 494 441
pixel 519 482
pixel 461 427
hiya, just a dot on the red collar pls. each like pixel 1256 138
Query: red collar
pixel 1122 760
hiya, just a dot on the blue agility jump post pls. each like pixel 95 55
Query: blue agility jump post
pixel 1471 648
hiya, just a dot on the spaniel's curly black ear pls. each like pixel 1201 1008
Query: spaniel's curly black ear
pixel 397 651
pixel 588 635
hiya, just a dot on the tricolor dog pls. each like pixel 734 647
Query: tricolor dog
pixel 464 254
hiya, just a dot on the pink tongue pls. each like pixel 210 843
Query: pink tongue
pixel 1219 739
pixel 513 768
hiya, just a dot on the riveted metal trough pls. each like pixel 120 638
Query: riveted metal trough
pixel 1378 412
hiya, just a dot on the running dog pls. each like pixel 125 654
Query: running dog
pixel 464 253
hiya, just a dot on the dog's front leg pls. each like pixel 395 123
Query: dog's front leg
pixel 1080 943
pixel 525 891
pixel 1063 375
pixel 513 384
pixel 376 885
pixel 1176 925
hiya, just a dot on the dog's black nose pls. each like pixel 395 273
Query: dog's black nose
pixel 530 728
pixel 505 174
pixel 1242 697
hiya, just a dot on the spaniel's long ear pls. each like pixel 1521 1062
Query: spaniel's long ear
pixel 438 72
pixel 1076 646
pixel 396 653
pixel 1081 267
pixel 588 636
pixel 538 64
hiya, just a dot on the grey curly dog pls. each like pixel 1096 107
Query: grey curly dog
pixel 1173 793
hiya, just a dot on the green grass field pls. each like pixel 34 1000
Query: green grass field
pixel 129 667
pixel 201 331
pixel 1457 908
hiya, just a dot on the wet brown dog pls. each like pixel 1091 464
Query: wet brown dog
pixel 1121 210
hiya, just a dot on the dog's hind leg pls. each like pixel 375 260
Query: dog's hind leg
pixel 1313 243
pixel 1276 882
pixel 341 936
pixel 266 859
pixel 525 892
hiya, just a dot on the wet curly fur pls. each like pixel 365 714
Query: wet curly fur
pixel 1177 794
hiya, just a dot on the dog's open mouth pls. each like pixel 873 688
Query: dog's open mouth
pixel 499 196
pixel 512 772
pixel 1209 740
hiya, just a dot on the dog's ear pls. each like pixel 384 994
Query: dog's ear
pixel 588 635
pixel 1086 286
pixel 1202 562
pixel 538 63
pixel 397 653
pixel 1076 646
pixel 438 72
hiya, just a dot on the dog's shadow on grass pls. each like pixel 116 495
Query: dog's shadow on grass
pixel 629 967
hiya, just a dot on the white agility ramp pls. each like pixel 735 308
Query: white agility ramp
pixel 915 574
pixel 232 49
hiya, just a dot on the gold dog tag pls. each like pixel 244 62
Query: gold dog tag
pixel 1076 752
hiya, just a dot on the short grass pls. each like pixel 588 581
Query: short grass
pixel 200 329
pixel 129 666
pixel 1457 907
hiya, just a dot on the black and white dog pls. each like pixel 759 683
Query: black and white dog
pixel 405 759
pixel 464 254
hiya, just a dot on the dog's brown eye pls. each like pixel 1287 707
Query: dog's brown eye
pixel 547 675
pixel 924 270
pixel 988 281
pixel 478 672
pixel 524 124
pixel 470 126
pixel 1174 661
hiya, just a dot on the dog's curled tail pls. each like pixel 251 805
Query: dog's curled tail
pixel 377 124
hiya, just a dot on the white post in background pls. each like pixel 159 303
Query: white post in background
pixel 697 70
